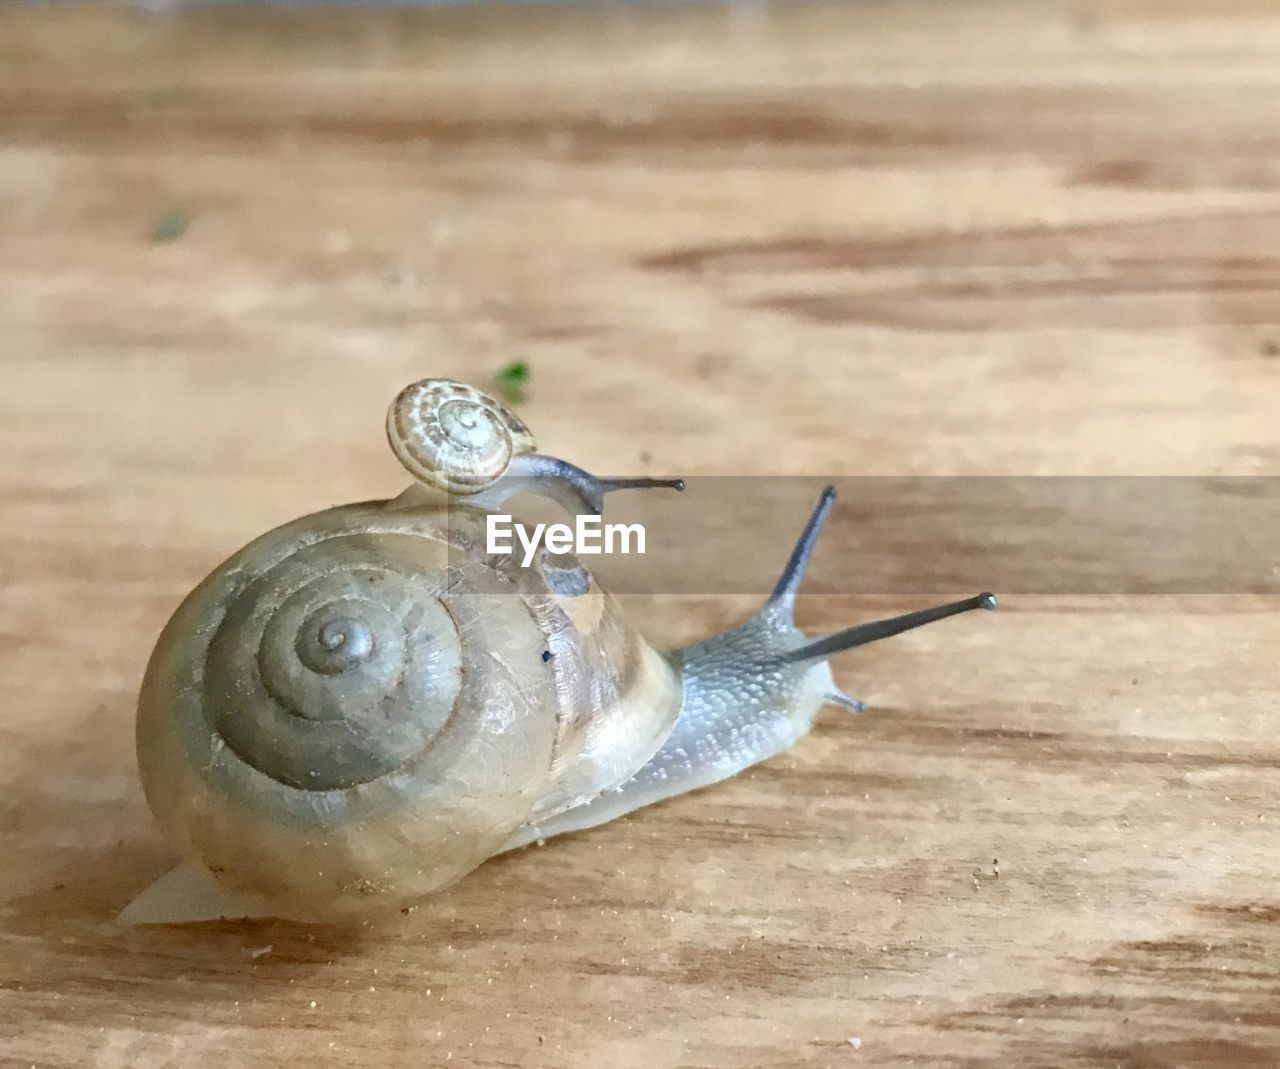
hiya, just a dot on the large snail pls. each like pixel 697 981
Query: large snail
pixel 361 706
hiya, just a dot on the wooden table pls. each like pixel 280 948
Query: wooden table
pixel 893 238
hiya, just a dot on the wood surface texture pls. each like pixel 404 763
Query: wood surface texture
pixel 888 238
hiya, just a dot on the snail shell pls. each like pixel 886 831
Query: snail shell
pixel 454 437
pixel 361 706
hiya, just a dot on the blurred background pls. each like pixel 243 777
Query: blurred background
pixel 902 237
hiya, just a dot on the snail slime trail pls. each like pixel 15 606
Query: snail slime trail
pixel 361 706
pixel 589 536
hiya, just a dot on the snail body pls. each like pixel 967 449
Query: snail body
pixel 361 706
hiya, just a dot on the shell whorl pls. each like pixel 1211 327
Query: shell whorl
pixel 454 437
pixel 357 666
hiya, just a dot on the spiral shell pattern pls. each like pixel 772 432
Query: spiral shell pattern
pixel 356 667
pixel 454 437
pixel 361 706
pixel 352 711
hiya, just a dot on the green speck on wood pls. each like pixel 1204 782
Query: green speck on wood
pixel 512 380
pixel 171 227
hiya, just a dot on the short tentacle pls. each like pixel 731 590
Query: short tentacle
pixel 838 697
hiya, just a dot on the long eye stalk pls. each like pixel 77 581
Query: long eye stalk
pixel 573 488
pixel 861 634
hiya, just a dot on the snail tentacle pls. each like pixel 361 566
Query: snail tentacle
pixel 574 489
pixel 783 598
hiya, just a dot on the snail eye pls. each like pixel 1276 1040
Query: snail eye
pixel 564 574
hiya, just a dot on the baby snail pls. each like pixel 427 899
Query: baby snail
pixel 360 707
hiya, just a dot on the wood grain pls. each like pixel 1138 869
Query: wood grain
pixel 892 238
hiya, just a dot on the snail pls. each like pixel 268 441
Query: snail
pixel 360 707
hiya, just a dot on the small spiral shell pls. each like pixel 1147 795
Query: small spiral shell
pixel 454 437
